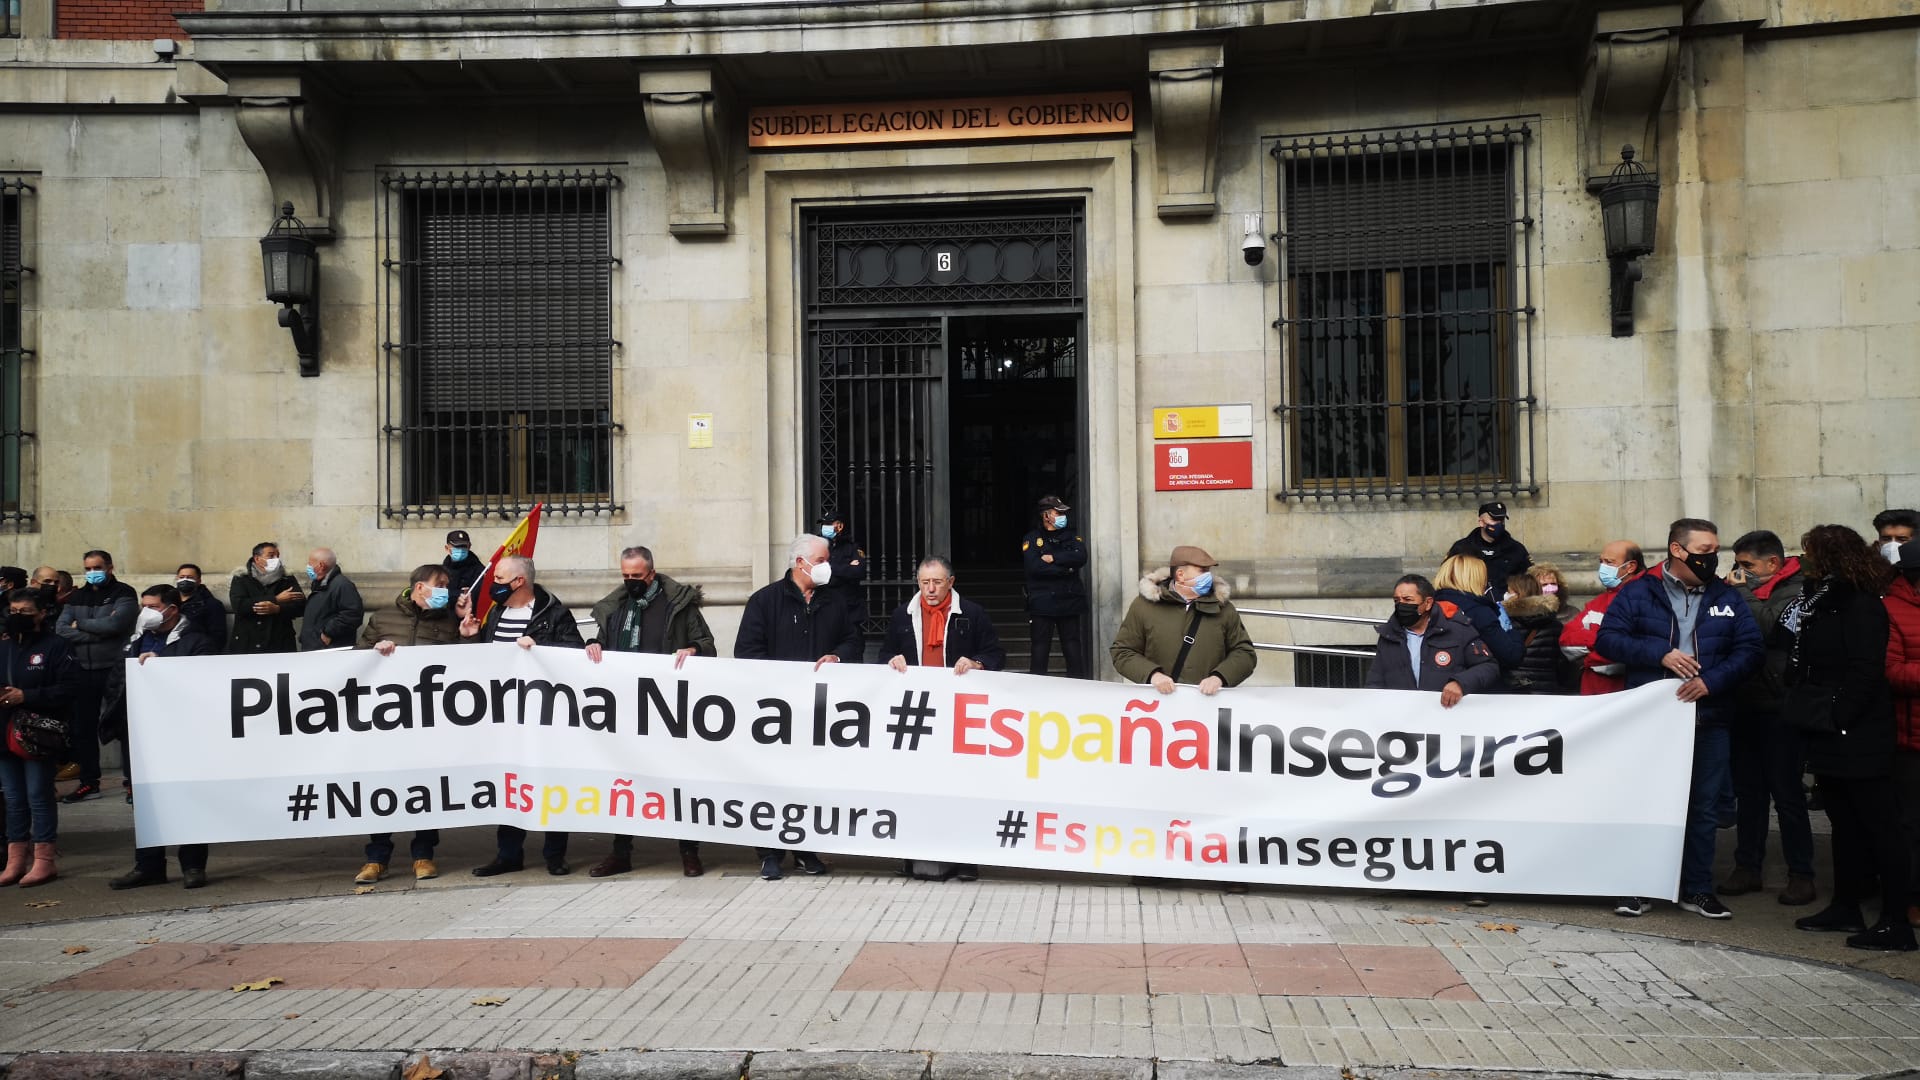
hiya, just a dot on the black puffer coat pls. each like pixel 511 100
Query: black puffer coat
pixel 1540 671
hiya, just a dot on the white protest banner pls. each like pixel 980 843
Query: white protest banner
pixel 1350 788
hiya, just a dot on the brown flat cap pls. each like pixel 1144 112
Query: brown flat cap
pixel 1188 555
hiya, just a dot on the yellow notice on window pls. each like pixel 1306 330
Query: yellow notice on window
pixel 700 431
pixel 1203 422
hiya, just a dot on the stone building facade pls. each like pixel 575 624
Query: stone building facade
pixel 555 264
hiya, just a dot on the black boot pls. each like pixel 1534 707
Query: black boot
pixel 1885 936
pixel 1838 917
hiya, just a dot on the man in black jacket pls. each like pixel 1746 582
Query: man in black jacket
pixel 334 608
pixel 527 615
pixel 464 568
pixel 1492 544
pixel 794 619
pixel 649 613
pixel 941 628
pixel 96 621
pixel 1056 598
pixel 1421 649
pixel 200 607
pixel 849 559
pixel 165 631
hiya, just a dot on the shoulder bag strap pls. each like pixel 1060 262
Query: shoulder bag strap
pixel 1186 645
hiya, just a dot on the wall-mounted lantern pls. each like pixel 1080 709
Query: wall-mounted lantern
pixel 1628 210
pixel 291 262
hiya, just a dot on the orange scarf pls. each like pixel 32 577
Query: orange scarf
pixel 933 632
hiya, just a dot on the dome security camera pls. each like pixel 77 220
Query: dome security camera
pixel 1253 246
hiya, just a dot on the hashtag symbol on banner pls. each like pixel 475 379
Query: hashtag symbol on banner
pixel 1013 827
pixel 910 720
pixel 300 807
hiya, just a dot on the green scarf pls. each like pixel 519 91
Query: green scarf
pixel 636 606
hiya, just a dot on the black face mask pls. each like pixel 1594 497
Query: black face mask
pixel 500 592
pixel 187 588
pixel 20 625
pixel 1406 614
pixel 637 589
pixel 1704 567
pixel 48 593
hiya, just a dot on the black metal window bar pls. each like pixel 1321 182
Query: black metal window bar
pixel 1406 313
pixel 15 511
pixel 498 342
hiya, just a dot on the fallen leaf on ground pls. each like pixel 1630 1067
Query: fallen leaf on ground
pixel 43 903
pixel 363 890
pixel 422 1070
pixel 148 941
pixel 259 985
pixel 490 1001
pixel 75 950
pixel 1419 920
pixel 290 1016
pixel 1503 927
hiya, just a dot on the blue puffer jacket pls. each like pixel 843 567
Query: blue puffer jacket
pixel 1641 628
pixel 1508 645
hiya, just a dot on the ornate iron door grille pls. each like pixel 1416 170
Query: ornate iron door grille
pixel 1407 298
pixel 15 511
pixel 498 310
pixel 879 443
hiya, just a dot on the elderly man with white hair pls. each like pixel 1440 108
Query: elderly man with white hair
pixel 334 611
pixel 794 618
pixel 526 615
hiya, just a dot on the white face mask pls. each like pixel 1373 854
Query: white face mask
pixel 149 619
pixel 1890 551
pixel 821 572
pixel 272 565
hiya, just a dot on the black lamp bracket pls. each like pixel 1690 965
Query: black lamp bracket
pixel 1626 274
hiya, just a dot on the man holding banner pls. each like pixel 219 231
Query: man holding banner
pixel 525 614
pixel 795 619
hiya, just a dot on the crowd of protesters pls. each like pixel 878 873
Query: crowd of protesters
pixel 1795 664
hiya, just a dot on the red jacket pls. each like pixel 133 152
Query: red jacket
pixel 1903 660
pixel 1580 632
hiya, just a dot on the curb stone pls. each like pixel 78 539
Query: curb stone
pixel 493 1064
pixel 1039 1067
pixel 1213 1070
pixel 324 1065
pixel 148 1066
pixel 659 1065
pixel 853 1065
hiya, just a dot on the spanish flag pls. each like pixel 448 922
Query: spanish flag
pixel 519 542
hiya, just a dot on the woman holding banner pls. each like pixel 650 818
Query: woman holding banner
pixel 1839 699
pixel 41 678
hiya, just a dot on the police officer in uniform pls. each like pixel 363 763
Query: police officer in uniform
pixel 1056 599
pixel 849 581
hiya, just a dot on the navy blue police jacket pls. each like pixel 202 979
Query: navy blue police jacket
pixel 1641 628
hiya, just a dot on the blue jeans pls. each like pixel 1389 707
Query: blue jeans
pixel 32 815
pixel 1710 769
pixel 380 846
pixel 1767 755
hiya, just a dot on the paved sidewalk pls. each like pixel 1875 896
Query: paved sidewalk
pixel 871 962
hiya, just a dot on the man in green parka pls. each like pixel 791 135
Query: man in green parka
pixel 1181 629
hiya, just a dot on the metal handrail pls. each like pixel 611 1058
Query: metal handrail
pixel 1316 650
pixel 1310 616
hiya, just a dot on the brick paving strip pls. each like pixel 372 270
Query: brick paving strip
pixel 929 979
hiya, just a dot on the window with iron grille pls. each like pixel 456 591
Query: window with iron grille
pixel 1337 672
pixel 498 342
pixel 1405 311
pixel 15 511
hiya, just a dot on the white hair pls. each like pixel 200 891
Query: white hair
pixel 518 566
pixel 804 545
